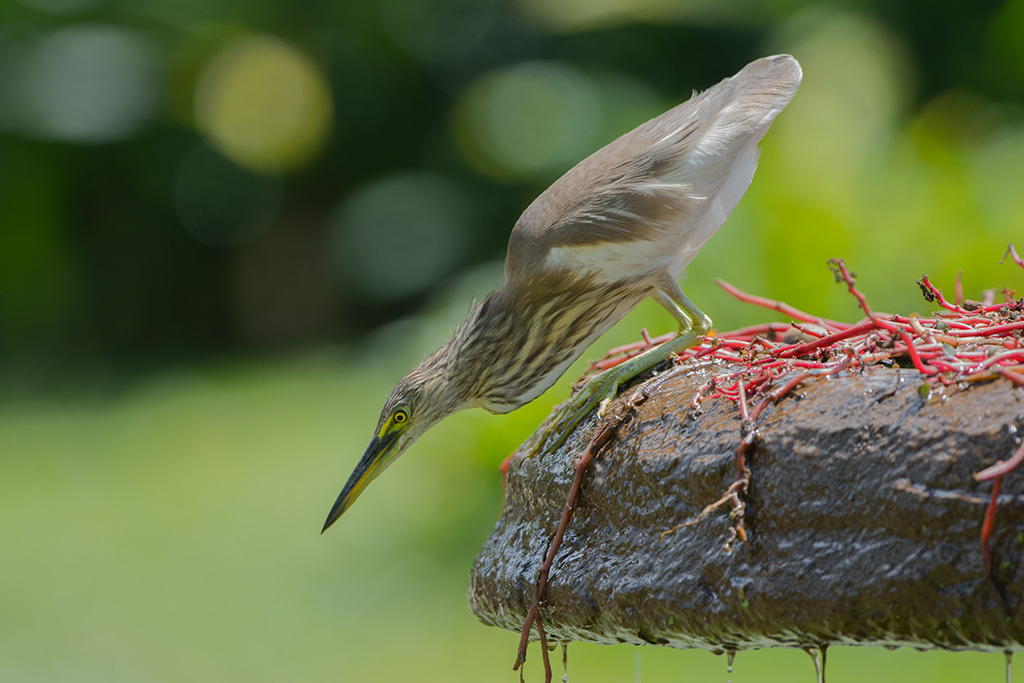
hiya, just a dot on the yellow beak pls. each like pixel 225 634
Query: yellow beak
pixel 378 456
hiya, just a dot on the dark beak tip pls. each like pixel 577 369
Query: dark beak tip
pixel 333 517
pixel 357 480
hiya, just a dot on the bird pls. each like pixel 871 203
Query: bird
pixel 615 229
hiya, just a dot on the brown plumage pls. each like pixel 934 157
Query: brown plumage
pixel 619 226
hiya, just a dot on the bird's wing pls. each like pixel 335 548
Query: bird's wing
pixel 670 182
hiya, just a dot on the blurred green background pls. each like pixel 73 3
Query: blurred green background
pixel 228 227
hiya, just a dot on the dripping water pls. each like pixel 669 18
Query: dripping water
pixel 730 657
pixel 565 662
pixel 815 656
pixel 636 667
pixel 818 655
pixel 1009 668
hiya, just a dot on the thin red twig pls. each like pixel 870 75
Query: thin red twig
pixel 1002 468
pixel 599 440
pixel 1013 254
pixel 805 349
pixel 779 306
pixel 986 527
pixel 1012 375
pixel 915 358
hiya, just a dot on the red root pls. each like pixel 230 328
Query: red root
pixel 600 439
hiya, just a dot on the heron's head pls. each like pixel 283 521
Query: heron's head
pixel 418 401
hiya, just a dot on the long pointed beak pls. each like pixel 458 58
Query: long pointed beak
pixel 378 456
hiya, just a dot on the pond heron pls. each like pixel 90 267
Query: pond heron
pixel 618 227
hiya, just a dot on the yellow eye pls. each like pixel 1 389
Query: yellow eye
pixel 399 417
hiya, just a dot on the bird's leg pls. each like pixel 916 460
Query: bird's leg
pixel 693 324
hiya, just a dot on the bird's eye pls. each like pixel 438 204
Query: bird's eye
pixel 400 416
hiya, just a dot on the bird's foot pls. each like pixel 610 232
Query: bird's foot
pixel 599 391
pixel 595 394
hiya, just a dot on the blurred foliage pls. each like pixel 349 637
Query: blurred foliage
pixel 186 184
pixel 184 180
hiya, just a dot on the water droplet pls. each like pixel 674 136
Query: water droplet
pixel 636 667
pixel 815 655
pixel 730 656
pixel 1009 668
pixel 565 662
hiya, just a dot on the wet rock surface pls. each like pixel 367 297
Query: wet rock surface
pixel 862 513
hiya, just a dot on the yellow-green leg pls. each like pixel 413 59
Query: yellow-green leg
pixel 693 324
